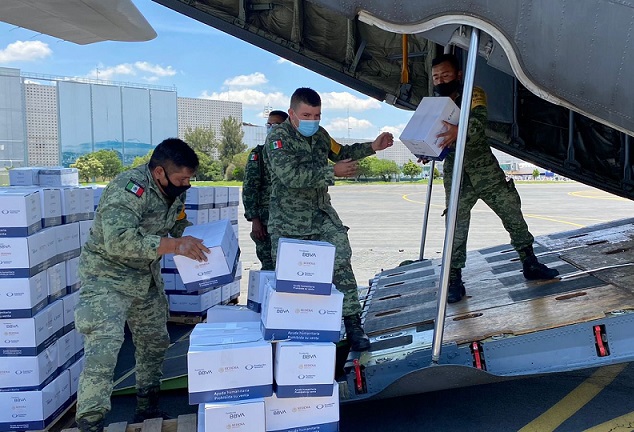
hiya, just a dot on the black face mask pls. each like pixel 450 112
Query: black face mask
pixel 448 88
pixel 171 190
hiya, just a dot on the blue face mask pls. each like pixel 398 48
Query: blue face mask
pixel 308 128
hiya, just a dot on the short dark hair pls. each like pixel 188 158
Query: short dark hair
pixel 305 95
pixel 174 152
pixel 451 58
pixel 279 113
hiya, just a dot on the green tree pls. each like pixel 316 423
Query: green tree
pixel 140 160
pixel 202 139
pixel 365 168
pixel 240 160
pixel 412 169
pixel 231 143
pixel 208 169
pixel 535 173
pixel 89 167
pixel 384 168
pixel 229 172
pixel 111 163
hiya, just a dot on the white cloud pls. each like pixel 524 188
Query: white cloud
pixel 343 123
pixel 156 70
pixel 254 79
pixel 24 51
pixel 394 130
pixel 109 73
pixel 251 98
pixel 345 101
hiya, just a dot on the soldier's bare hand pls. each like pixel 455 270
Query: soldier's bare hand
pixel 258 229
pixel 346 168
pixel 383 141
pixel 191 247
pixel 449 136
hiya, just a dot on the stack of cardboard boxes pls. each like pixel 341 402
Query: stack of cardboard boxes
pixel 276 372
pixel 213 215
pixel 41 353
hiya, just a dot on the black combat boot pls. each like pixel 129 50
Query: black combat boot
pixel 533 269
pixel 91 422
pixel 147 405
pixel 355 334
pixel 456 286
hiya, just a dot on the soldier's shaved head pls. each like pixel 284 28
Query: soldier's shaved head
pixel 306 96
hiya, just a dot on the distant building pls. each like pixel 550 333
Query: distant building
pixel 52 120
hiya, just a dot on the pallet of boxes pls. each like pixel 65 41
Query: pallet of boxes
pixel 271 367
pixel 190 299
pixel 45 219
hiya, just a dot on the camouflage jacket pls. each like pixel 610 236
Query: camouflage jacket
pixel 478 152
pixel 300 176
pixel 256 187
pixel 130 220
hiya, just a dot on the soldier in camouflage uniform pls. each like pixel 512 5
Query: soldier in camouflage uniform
pixel 482 178
pixel 121 281
pixel 256 190
pixel 296 156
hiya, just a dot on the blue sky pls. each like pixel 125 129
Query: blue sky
pixel 200 61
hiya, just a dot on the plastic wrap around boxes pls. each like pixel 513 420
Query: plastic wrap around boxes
pixel 41 352
pixel 420 135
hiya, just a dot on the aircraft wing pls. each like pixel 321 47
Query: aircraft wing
pixel 79 21
pixel 556 76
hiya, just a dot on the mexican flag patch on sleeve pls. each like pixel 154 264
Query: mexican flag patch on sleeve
pixel 134 188
pixel 254 157
pixel 276 145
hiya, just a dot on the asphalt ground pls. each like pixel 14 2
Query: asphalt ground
pixel 385 229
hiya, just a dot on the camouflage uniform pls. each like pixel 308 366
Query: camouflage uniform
pixel 121 281
pixel 482 178
pixel 256 189
pixel 300 204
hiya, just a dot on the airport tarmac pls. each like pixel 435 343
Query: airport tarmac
pixel 385 221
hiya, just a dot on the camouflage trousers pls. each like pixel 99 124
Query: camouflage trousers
pixel 489 184
pixel 342 277
pixel 263 251
pixel 100 316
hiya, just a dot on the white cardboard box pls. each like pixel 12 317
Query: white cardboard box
pixel 219 269
pixel 304 267
pixel 221 196
pixel 84 231
pixel 24 176
pixel 302 317
pixel 193 303
pixel 318 414
pixel 230 314
pixel 23 257
pixel 36 409
pixel 23 297
pixel 233 196
pixel 304 369
pixel 72 275
pixel 214 214
pixel 51 200
pixel 257 288
pixel 21 213
pixel 198 216
pixel 29 372
pixel 69 302
pixel 86 203
pixel 65 350
pixel 30 336
pixel 75 370
pixel 71 205
pixel 242 416
pixel 420 135
pixel 199 198
pixel 233 364
pixel 58 176
pixel 56 276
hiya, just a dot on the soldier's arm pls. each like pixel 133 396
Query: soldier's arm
pixel 121 218
pixel 478 117
pixel 355 151
pixel 251 187
pixel 293 170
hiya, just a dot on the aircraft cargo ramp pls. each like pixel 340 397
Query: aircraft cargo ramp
pixel 506 327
